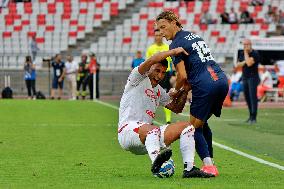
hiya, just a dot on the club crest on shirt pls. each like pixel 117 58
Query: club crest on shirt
pixel 152 95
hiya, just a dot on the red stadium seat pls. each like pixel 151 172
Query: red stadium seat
pixel 40 40
pixel 51 8
pixel 143 16
pixel 221 39
pixel 31 34
pixel 264 27
pixel 234 27
pixel 49 28
pixel 6 34
pixel 73 22
pixel 81 28
pixel 126 40
pixel 203 27
pixel 254 33
pixel 258 8
pixel 73 34
pixel 98 16
pixel 18 28
pixel 134 28
pixel 25 22
pixel 215 33
pixel 83 11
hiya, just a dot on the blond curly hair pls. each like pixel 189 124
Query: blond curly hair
pixel 170 16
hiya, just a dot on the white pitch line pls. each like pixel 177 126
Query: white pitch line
pixel 249 156
pixel 259 160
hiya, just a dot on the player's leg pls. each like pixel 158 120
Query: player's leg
pixel 150 137
pixel 247 98
pixel 54 87
pixel 185 132
pixel 253 82
pixel 201 147
pixel 207 133
pixel 60 90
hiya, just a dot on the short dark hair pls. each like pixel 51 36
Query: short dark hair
pixel 164 63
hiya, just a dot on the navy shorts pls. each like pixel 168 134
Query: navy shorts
pixel 206 102
pixel 56 84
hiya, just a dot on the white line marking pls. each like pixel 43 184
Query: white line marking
pixel 249 156
pixel 259 160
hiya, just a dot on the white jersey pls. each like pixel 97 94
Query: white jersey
pixel 140 100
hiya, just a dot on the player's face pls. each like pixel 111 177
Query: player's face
pixel 166 28
pixel 156 74
pixel 158 37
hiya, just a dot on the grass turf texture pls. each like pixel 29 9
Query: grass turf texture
pixel 73 144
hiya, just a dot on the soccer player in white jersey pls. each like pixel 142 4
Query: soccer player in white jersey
pixel 136 132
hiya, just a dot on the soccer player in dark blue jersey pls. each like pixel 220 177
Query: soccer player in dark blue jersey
pixel 208 82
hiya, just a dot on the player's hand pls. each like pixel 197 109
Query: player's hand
pixel 60 79
pixel 179 50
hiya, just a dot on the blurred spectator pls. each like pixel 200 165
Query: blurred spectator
pixel 280 67
pixel 266 83
pixel 245 17
pixel 206 18
pixel 94 68
pixel 59 72
pixel 82 77
pixel 248 60
pixel 280 17
pixel 224 17
pixel 3 3
pixel 33 48
pixel 30 77
pixel 138 60
pixel 233 17
pixel 257 2
pixel 71 71
pixel 271 16
pixel 236 84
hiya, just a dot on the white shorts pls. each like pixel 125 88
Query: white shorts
pixel 129 140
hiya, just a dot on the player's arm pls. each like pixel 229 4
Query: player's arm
pixel 178 103
pixel 248 60
pixel 156 58
pixel 181 79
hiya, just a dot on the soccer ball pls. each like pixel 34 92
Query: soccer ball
pixel 167 169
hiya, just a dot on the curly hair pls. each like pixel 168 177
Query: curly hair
pixel 170 16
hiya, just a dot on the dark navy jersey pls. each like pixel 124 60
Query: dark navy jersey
pixel 200 66
pixel 58 68
pixel 252 71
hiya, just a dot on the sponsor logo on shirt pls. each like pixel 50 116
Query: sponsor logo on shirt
pixel 150 113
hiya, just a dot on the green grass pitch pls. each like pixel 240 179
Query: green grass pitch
pixel 73 144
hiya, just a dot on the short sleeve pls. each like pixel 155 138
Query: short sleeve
pixel 165 98
pixel 135 77
pixel 178 58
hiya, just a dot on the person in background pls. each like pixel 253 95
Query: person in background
pixel 138 60
pixel 30 77
pixel 266 83
pixel 71 71
pixel 233 17
pixel 82 76
pixel 156 47
pixel 236 84
pixel 224 17
pixel 33 48
pixel 249 59
pixel 94 68
pixel 245 17
pixel 59 72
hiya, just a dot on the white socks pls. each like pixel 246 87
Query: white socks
pixel 187 147
pixel 152 143
pixel 207 161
